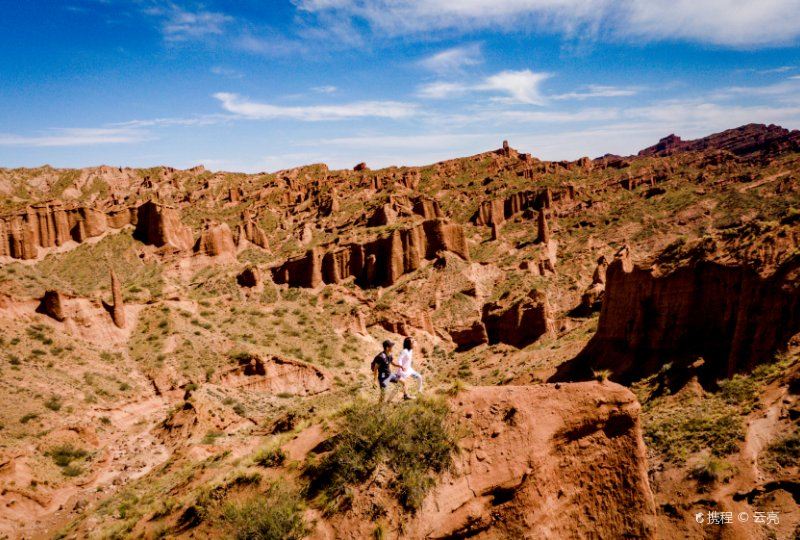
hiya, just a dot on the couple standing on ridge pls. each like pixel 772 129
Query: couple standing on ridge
pixel 382 367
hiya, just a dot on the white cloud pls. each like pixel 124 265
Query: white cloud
pixel 75 137
pixel 442 90
pixel 596 91
pixel 522 86
pixel 325 89
pixel 254 110
pixel 230 73
pixel 454 59
pixel 178 24
pixel 737 23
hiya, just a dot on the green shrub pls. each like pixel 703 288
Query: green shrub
pixel 239 409
pixel 275 515
pixel 65 454
pixel 688 426
pixel 711 470
pixel 53 403
pixel 72 471
pixel 28 417
pixel 410 438
pixel 739 390
pixel 270 457
pixel 786 451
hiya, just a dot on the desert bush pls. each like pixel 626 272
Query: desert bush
pixel 53 403
pixel 65 454
pixel 72 471
pixel 411 439
pixel 687 427
pixel 712 469
pixel 270 457
pixel 28 417
pixel 274 515
pixel 784 452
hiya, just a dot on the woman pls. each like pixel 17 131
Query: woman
pixel 406 371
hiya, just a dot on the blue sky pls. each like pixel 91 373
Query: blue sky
pixel 263 85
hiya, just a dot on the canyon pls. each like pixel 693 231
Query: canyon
pixel 609 346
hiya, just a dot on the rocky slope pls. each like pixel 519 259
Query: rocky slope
pixel 183 349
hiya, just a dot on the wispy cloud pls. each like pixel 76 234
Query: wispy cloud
pixel 454 59
pixel 180 24
pixel 442 90
pixel 597 91
pixel 325 89
pixel 246 108
pixel 721 22
pixel 522 86
pixel 227 72
pixel 75 137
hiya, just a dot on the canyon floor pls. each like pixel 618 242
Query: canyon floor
pixel 610 348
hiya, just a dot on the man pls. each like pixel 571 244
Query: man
pixel 406 371
pixel 382 367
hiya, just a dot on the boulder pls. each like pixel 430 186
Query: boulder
pixel 52 305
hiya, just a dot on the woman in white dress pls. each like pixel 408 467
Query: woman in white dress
pixel 405 359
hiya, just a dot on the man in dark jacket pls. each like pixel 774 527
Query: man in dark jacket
pixel 382 367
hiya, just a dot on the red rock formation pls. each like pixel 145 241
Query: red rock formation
pixel 499 209
pixel 542 228
pixel 276 375
pixel 250 277
pixel 161 225
pixel 427 208
pixel 384 215
pixel 725 313
pixel 520 323
pixel 495 231
pixel 744 140
pixel 360 167
pixel 216 239
pixel 51 224
pixel 52 305
pixel 118 307
pixel 593 295
pixel 549 462
pixel 468 336
pixel 250 231
pixel 377 262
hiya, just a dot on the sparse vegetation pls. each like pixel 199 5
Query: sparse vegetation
pixel 712 469
pixel 275 514
pixel 270 457
pixel 411 439
pixel 784 452
pixel 64 455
